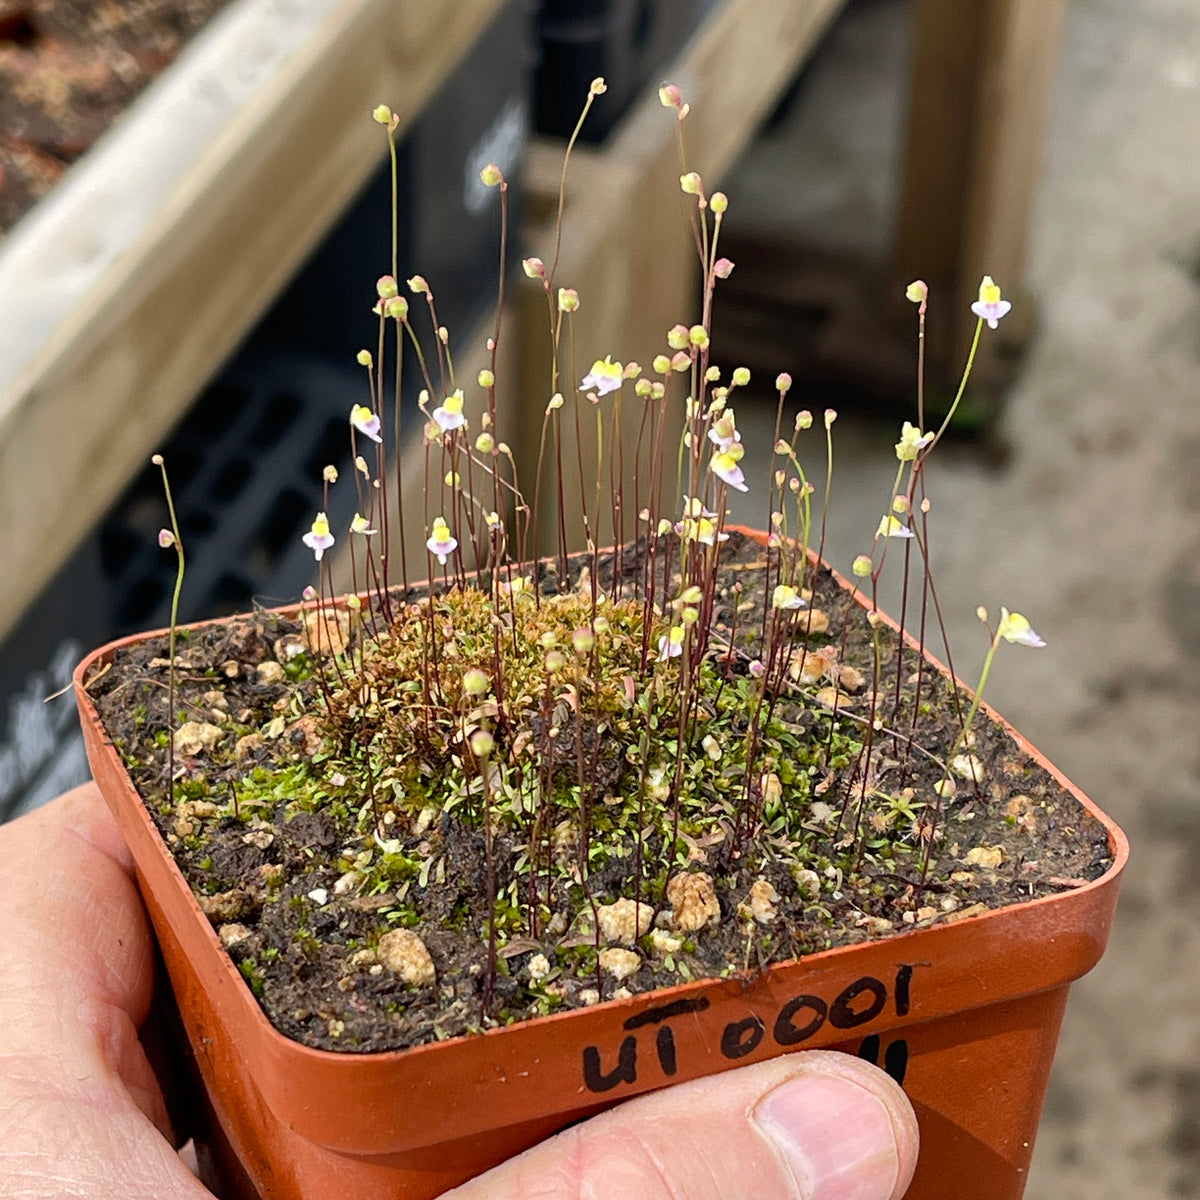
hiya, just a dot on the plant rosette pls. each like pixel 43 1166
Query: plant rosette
pixel 962 1006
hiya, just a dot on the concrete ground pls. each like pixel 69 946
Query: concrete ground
pixel 1092 527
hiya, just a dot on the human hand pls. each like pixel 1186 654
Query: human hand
pixel 81 1113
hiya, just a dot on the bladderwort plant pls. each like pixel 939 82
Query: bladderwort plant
pixel 604 724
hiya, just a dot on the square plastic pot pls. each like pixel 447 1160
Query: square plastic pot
pixel 965 1015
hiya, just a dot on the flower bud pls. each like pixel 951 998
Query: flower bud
pixel 475 682
pixel 482 743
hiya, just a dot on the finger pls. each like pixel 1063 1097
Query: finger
pixel 80 1109
pixel 810 1126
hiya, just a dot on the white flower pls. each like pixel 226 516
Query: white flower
pixel 670 645
pixel 890 527
pixel 442 542
pixel 912 442
pixel 318 539
pixel 604 377
pixel 723 433
pixel 365 421
pixel 989 307
pixel 725 467
pixel 1015 628
pixel 360 524
pixel 449 414
pixel 786 597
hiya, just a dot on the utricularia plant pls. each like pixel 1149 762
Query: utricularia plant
pixel 675 717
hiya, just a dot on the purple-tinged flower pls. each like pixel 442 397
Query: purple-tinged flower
pixel 366 422
pixel 1015 628
pixel 725 467
pixel 989 307
pixel 441 542
pixel 449 414
pixel 891 528
pixel 318 539
pixel 785 597
pixel 604 377
pixel 166 539
pixel 360 524
pixel 723 432
pixel 912 442
pixel 670 645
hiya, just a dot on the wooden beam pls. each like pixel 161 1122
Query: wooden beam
pixel 131 284
pixel 626 246
pixel 982 77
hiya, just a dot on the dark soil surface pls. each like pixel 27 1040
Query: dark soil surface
pixel 68 69
pixel 280 885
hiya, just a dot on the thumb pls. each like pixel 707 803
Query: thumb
pixel 816 1125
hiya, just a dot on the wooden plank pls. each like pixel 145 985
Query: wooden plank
pixel 626 246
pixel 249 155
pixel 980 92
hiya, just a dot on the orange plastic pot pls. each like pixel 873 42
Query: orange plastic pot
pixel 965 1015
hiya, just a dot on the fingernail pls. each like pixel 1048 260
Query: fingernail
pixel 837 1137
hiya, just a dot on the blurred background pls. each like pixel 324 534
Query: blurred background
pixel 189 268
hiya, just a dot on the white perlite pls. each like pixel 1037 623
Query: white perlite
pixel 762 901
pixel 624 921
pixel 693 900
pixel 404 953
pixel 620 964
pixel 192 737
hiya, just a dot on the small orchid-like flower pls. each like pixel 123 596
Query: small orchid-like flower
pixel 604 377
pixel 785 597
pixel 318 539
pixel 890 527
pixel 724 466
pixel 441 542
pixel 724 431
pixel 912 442
pixel 360 524
pixel 449 414
pixel 1015 628
pixel 670 645
pixel 166 539
pixel 698 524
pixel 366 422
pixel 989 307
